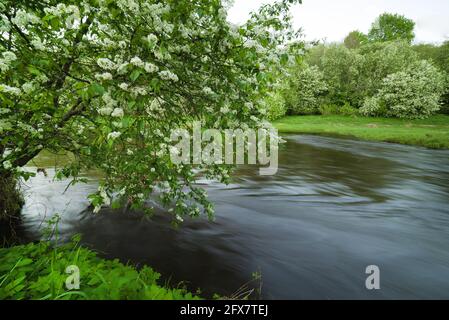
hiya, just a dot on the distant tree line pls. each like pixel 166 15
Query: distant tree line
pixel 376 74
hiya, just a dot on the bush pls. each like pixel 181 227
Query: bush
pixel 38 271
pixel 381 60
pixel 413 93
pixel 341 68
pixel 276 106
pixel 333 109
pixel 328 109
pixel 305 91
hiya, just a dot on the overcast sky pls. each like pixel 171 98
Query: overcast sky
pixel 333 20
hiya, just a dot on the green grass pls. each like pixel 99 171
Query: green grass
pixel 431 133
pixel 38 271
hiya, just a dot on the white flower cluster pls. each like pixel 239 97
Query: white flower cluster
pixel 208 91
pixel 103 76
pixel 151 40
pixel 168 75
pixel 157 11
pixel 114 135
pixel 5 62
pixel 38 44
pixel 117 113
pixel 124 86
pixel 28 87
pixel 106 64
pixel 136 61
pixel 61 9
pixel 11 90
pixel 131 5
pixel 23 18
pixel 154 107
pixel 150 68
pixel 110 104
pixel 139 91
pixel 7 164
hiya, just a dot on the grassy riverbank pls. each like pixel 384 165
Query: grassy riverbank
pixel 431 133
pixel 38 271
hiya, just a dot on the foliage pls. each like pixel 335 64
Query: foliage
pixel 391 27
pixel 11 200
pixel 341 68
pixel 381 60
pixel 412 93
pixel 38 271
pixel 440 56
pixel 127 72
pixel 332 109
pixel 432 132
pixel 355 39
pixel 305 90
pixel 360 77
pixel 276 106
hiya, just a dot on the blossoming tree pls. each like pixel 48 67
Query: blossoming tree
pixel 107 80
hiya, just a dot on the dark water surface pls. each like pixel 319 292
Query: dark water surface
pixel 335 207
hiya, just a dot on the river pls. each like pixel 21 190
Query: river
pixel 334 207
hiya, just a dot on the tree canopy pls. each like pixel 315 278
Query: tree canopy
pixel 108 80
pixel 390 27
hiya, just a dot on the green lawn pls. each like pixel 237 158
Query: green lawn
pixel 432 132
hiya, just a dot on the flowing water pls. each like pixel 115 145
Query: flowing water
pixel 335 207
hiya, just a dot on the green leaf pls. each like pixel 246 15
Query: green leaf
pixel 95 89
pixel 135 74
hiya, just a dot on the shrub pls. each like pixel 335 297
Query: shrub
pixel 333 109
pixel 347 110
pixel 341 70
pixel 38 271
pixel 413 93
pixel 276 106
pixel 328 109
pixel 381 60
pixel 305 91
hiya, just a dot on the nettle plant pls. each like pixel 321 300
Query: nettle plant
pixel 108 80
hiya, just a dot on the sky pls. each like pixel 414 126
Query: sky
pixel 332 20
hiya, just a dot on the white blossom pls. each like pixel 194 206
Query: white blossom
pixel 114 135
pixel 168 75
pixel 37 43
pixel 103 76
pixel 150 68
pixel 124 86
pixel 28 87
pixel 106 64
pixel 118 113
pixel 7 165
pixel 137 62
pixel 11 90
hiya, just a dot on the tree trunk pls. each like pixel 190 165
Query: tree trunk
pixel 11 200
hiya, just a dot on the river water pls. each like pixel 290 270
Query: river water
pixel 334 207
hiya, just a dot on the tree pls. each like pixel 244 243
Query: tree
pixel 305 90
pixel 439 55
pixel 341 68
pixel 390 27
pixel 355 39
pixel 411 93
pixel 381 59
pixel 108 80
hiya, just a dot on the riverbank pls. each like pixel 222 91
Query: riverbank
pixel 39 271
pixel 431 133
